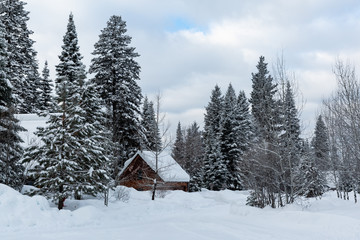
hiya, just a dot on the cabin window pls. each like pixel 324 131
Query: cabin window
pixel 139 174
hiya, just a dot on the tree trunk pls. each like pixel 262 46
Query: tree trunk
pixel 154 190
pixel 106 197
pixel 61 203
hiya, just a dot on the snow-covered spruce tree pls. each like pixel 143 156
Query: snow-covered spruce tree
pixel 178 149
pixel 96 153
pixel 214 166
pixel 11 171
pixel 263 103
pixel 311 180
pixel 229 148
pixel 45 96
pixel 194 155
pixel 151 133
pixel 290 143
pixel 116 72
pixel 265 156
pixel 72 159
pixel 244 130
pixel 22 69
pixel 320 145
pixel 244 134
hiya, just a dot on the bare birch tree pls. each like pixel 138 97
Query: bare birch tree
pixel 342 111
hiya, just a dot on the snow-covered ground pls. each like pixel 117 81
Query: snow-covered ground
pixel 179 215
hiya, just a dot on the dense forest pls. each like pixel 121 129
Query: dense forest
pixel 97 123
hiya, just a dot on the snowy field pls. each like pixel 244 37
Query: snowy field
pixel 179 215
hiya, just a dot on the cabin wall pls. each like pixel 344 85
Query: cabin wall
pixel 139 176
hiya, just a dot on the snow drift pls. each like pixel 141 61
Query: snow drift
pixel 179 215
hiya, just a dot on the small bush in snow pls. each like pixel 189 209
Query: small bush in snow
pixel 122 193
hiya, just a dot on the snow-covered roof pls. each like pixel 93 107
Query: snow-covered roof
pixel 168 169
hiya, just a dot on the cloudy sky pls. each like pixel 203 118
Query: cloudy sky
pixel 188 46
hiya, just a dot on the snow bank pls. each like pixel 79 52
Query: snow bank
pixel 20 211
pixel 177 216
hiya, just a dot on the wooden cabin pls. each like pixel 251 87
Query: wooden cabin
pixel 140 171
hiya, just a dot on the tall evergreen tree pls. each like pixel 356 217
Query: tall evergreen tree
pixel 11 171
pixel 229 148
pixel 265 155
pixel 194 155
pixel 244 130
pixel 70 69
pixel 116 72
pixel 263 103
pixel 151 133
pixel 290 143
pixel 214 167
pixel 320 144
pixel 72 158
pixel 45 97
pixel 94 143
pixel 22 70
pixel 178 150
pixel 311 181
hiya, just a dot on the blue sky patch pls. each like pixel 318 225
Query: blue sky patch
pixel 175 24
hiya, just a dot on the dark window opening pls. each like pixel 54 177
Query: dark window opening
pixel 139 174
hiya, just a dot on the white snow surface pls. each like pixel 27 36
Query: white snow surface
pixel 179 215
pixel 168 169
pixel 30 122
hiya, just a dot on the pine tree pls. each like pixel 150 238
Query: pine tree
pixel 11 170
pixel 70 69
pixel 263 104
pixel 116 72
pixel 290 142
pixel 95 147
pixel 244 132
pixel 214 167
pixel 244 129
pixel 45 97
pixel 264 178
pixel 194 155
pixel 178 150
pixel 22 69
pixel 73 157
pixel 311 181
pixel 151 132
pixel 229 148
pixel 320 144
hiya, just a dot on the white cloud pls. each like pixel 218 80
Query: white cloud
pixel 221 44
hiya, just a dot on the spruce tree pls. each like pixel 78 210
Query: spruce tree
pixel 151 132
pixel 73 158
pixel 320 144
pixel 290 142
pixel 229 148
pixel 116 72
pixel 265 175
pixel 214 167
pixel 45 96
pixel 22 69
pixel 178 150
pixel 11 170
pixel 95 147
pixel 311 181
pixel 244 129
pixel 263 103
pixel 194 155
